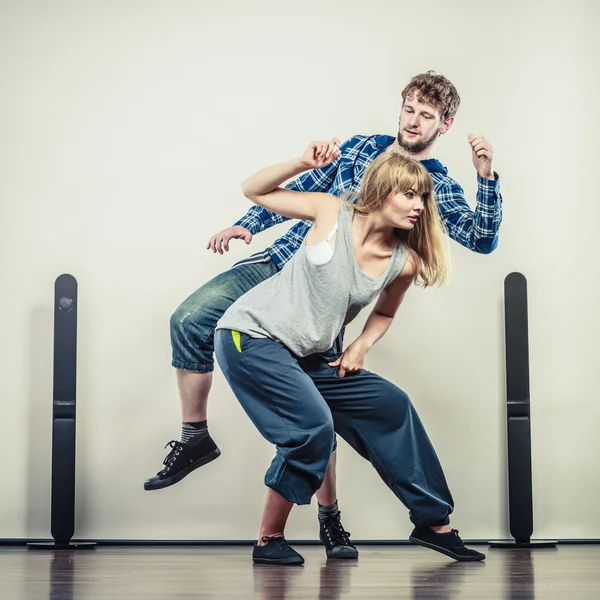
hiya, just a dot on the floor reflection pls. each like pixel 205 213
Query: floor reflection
pixel 273 582
pixel 442 582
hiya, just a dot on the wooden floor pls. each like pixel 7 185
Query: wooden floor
pixel 223 572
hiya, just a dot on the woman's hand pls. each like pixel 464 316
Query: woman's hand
pixel 321 154
pixel 352 359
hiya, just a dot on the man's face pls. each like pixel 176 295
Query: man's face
pixel 420 125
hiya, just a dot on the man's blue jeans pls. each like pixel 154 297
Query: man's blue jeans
pixel 193 323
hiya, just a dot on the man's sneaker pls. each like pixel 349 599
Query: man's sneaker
pixel 181 461
pixel 449 544
pixel 276 551
pixel 337 541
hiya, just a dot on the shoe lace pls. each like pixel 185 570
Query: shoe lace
pixel 279 542
pixel 336 532
pixel 459 541
pixel 176 448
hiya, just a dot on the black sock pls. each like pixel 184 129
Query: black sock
pixel 192 434
pixel 330 510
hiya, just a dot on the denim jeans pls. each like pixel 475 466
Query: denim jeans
pixel 193 323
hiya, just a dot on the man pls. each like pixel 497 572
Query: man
pixel 430 103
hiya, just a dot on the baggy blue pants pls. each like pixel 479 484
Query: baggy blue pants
pixel 298 403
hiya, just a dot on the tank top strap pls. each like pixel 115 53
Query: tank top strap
pixel 332 232
pixel 397 263
pixel 345 220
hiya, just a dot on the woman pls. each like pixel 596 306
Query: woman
pixel 274 344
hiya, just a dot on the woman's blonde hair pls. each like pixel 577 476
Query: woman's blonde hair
pixel 391 173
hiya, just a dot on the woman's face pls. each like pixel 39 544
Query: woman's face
pixel 403 209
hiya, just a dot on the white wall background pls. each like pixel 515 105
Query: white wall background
pixel 125 130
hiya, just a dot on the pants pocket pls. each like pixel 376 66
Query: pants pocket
pixel 240 340
pixel 258 257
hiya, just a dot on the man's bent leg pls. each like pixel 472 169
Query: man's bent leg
pixel 192 340
pixel 193 394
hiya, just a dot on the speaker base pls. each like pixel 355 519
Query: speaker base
pixel 527 544
pixel 62 546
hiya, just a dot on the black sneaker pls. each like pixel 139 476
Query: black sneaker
pixel 449 544
pixel 181 461
pixel 337 541
pixel 276 551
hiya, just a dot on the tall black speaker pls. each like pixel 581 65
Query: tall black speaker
pixel 520 488
pixel 62 520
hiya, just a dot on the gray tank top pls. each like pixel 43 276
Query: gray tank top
pixel 305 305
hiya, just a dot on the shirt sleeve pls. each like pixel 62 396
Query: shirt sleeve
pixel 317 180
pixel 476 229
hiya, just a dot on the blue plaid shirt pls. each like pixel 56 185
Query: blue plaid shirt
pixel 474 229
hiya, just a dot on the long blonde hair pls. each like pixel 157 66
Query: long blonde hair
pixel 391 173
